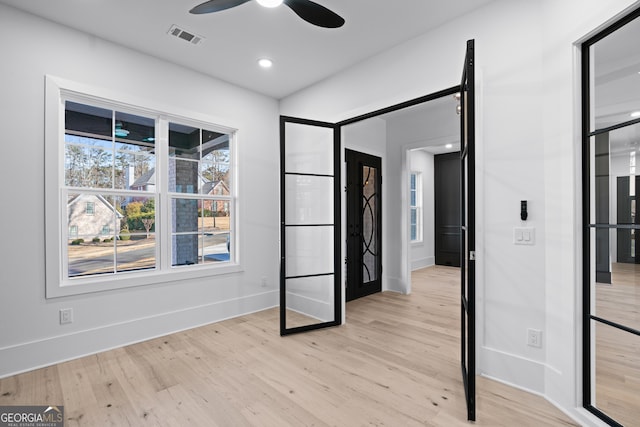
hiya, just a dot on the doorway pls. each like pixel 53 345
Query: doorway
pixel 364 224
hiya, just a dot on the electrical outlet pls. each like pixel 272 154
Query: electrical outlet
pixel 263 282
pixel 534 338
pixel 66 316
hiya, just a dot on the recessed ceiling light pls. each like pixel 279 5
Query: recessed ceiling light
pixel 270 3
pixel 265 62
pixel 635 114
pixel 449 146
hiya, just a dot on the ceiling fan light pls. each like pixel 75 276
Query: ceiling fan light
pixel 265 62
pixel 269 3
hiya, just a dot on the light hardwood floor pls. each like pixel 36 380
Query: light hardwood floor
pixel 395 363
pixel 617 353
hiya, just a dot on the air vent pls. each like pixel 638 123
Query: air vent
pixel 185 35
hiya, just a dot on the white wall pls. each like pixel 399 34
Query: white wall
pixel 528 145
pixel 422 254
pixel 30 333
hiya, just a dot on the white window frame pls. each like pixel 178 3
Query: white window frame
pixel 417 207
pixel 58 283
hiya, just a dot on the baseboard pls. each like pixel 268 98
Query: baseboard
pixel 394 284
pixel 509 368
pixel 48 351
pixel 423 263
pixel 579 415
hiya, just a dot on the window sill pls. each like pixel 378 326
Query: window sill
pixel 417 244
pixel 112 282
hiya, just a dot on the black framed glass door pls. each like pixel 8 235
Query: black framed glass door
pixel 611 256
pixel 310 291
pixel 467 229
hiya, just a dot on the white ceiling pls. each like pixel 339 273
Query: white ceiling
pixel 235 38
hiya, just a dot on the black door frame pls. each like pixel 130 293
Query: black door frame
pixel 337 211
pixel 467 231
pixel 354 236
pixel 600 225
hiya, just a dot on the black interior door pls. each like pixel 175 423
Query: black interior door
pixel 364 224
pixel 310 291
pixel 467 229
pixel 447 208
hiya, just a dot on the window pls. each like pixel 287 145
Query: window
pixel 158 188
pixel 415 201
pixel 611 130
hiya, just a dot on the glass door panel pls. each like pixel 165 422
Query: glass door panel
pixel 310 209
pixel 617 373
pixel 611 186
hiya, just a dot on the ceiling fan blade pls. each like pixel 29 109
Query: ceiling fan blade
pixel 216 6
pixel 315 14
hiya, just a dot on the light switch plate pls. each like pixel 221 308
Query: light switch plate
pixel 524 236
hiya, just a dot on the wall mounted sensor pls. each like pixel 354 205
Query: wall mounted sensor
pixel 523 210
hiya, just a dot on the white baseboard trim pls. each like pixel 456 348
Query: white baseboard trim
pixel 423 263
pixel 513 369
pixel 48 351
pixel 394 284
pixel 579 415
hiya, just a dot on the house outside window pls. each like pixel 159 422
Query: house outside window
pixel 415 206
pixel 131 205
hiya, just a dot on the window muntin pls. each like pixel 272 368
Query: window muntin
pixel 109 171
pixel 415 206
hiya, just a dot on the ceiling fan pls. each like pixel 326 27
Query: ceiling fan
pixel 311 12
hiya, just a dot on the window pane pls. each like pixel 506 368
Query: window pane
pixel 93 224
pixel 214 179
pixel 88 163
pixel 89 257
pixel 309 250
pixel 184 249
pixel 184 215
pixel 184 141
pixel 183 176
pixel 134 131
pixel 135 171
pixel 310 150
pixel 86 120
pixel 215 248
pixel 88 146
pixel 136 251
pixel 309 199
pixel 615 64
pixel 613 179
pixel 309 300
pixel 617 373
